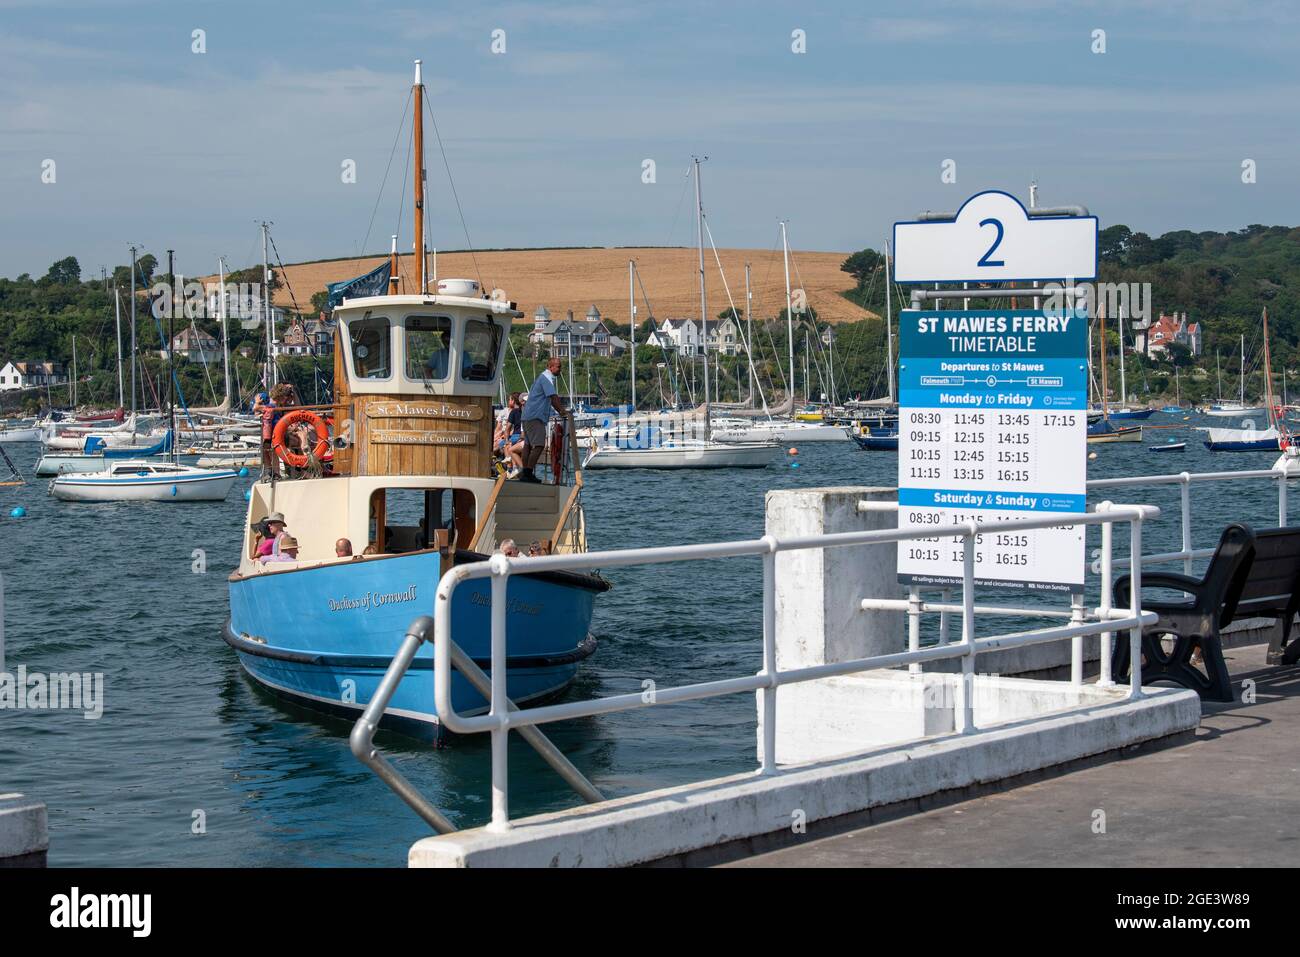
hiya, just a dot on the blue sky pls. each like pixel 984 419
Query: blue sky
pixel 158 145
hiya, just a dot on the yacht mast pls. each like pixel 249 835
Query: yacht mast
pixel 889 324
pixel 1101 336
pixel 1123 382
pixel 1242 383
pixel 789 311
pixel 749 334
pixel 631 314
pixel 704 312
pixel 133 262
pixel 272 374
pixel 225 331
pixel 117 313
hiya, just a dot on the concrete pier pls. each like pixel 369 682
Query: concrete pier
pixel 1225 796
pixel 24 836
pixel 848 745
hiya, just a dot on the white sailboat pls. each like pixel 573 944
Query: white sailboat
pixel 683 452
pixel 1227 410
pixel 20 433
pixel 1250 439
pixel 782 430
pixel 143 480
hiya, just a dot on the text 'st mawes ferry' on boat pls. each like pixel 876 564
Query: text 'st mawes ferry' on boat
pixel 411 478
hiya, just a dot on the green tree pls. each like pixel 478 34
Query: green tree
pixel 862 264
pixel 65 272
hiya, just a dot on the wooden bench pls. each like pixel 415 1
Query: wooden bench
pixel 1251 575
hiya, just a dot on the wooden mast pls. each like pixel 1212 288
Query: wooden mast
pixel 417 92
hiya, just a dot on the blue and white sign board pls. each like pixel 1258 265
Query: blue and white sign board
pixel 994 239
pixel 992 427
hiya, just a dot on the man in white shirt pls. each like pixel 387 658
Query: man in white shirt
pixel 543 397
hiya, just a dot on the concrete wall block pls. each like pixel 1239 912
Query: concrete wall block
pixel 23 827
pixel 818 592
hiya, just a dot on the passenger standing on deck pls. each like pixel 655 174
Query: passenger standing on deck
pixel 265 407
pixel 543 398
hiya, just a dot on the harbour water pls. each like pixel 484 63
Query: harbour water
pixel 185 739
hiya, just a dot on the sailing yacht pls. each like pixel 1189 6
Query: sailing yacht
pixel 1125 413
pixel 1250 439
pixel 139 479
pixel 1227 410
pixel 1103 431
pixel 649 449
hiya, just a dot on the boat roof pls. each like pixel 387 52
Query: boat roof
pixel 479 303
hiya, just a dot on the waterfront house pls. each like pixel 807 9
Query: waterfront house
pixel 195 345
pixel 31 375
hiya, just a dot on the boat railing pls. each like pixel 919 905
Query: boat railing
pixel 502 717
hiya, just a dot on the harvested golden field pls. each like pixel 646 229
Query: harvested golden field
pixel 563 279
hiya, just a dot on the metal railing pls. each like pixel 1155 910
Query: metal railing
pixel 1187 554
pixel 502 717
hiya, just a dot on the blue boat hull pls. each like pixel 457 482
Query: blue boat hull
pixel 1263 445
pixel 1133 414
pixel 323 637
pixel 877 439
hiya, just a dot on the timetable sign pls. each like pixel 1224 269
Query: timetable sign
pixel 992 427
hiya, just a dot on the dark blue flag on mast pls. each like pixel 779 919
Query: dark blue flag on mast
pixel 373 283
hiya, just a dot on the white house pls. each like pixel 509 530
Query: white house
pixel 680 335
pixel 686 336
pixel 30 375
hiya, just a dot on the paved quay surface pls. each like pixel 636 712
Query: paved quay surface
pixel 1228 797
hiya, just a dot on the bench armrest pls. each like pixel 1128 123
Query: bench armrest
pixel 1185 583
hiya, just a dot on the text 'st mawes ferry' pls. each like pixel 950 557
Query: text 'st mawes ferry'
pixel 411 477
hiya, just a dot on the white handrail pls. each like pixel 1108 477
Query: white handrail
pixel 500 719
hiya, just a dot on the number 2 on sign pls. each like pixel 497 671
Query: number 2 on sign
pixel 985 261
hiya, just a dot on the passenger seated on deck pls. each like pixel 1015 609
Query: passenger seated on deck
pixel 371 549
pixel 509 549
pixel 535 550
pixel 343 548
pixel 272 529
pixel 286 550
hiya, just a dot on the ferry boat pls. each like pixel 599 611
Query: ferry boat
pixel 410 486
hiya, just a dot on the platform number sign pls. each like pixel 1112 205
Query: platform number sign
pixel 993 403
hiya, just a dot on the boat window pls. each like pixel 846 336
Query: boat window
pixel 371 358
pixel 428 348
pixel 481 347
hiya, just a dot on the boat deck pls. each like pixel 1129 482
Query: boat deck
pixel 1228 797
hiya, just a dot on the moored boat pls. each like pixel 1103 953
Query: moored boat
pixel 684 454
pixel 1103 432
pixel 408 493
pixel 17 434
pixel 140 480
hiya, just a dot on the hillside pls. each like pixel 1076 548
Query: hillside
pixel 563 279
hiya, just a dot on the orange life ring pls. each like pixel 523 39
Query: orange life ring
pixel 297 459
